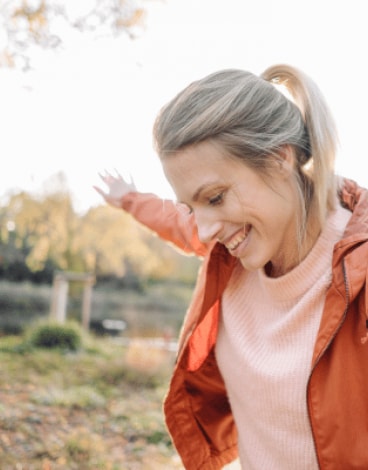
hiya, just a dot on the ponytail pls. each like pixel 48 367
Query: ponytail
pixel 321 130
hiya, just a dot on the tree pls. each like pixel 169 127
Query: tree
pixel 40 233
pixel 26 24
pixel 43 229
pixel 112 243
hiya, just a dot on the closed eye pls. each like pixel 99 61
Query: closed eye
pixel 216 200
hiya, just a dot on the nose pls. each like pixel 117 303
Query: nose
pixel 208 227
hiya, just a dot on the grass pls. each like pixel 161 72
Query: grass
pixel 97 408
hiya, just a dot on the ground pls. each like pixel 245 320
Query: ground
pixel 84 411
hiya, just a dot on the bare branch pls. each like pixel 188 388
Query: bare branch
pixel 42 23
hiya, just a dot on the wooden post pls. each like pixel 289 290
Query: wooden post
pixel 86 304
pixel 59 299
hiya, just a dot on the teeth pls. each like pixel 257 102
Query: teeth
pixel 236 242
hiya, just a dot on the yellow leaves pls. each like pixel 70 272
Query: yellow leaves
pixel 36 18
pixel 36 260
pixel 135 18
pixel 5 439
pixel 6 59
pixel 105 240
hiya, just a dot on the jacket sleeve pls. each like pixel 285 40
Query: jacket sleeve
pixel 162 217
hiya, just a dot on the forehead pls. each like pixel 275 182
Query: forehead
pixel 197 165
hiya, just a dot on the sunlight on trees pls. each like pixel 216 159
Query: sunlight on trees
pixel 41 232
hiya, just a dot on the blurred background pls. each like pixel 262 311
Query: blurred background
pixel 81 82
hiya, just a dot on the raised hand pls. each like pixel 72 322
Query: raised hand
pixel 117 187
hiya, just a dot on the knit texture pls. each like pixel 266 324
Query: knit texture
pixel 264 348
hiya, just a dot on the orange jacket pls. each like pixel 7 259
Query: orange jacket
pixel 197 411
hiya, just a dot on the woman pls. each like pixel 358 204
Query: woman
pixel 273 358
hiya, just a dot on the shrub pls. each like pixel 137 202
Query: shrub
pixel 54 335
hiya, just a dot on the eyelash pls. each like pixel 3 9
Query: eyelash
pixel 212 201
pixel 216 200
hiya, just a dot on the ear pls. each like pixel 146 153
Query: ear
pixel 286 160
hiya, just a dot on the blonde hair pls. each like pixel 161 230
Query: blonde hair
pixel 252 119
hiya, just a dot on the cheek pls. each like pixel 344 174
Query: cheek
pixel 238 206
pixel 269 216
pixel 281 219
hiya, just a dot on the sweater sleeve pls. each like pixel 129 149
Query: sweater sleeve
pixel 162 217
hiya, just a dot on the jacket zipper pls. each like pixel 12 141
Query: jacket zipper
pixel 322 353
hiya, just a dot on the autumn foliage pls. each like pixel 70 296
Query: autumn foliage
pixel 41 234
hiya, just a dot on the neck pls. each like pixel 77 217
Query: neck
pixel 291 258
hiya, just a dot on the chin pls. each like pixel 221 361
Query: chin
pixel 249 266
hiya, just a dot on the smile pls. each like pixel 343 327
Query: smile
pixel 237 240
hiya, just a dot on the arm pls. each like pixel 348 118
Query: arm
pixel 160 216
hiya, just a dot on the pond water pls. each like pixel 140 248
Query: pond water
pixel 156 312
pixel 132 322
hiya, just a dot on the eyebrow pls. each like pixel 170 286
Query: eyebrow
pixel 202 188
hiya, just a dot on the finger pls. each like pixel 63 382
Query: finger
pixel 100 191
pixel 118 175
pixel 104 176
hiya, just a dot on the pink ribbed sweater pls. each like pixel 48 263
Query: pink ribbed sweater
pixel 264 349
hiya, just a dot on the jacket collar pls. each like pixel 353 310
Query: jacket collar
pixel 353 248
pixel 349 268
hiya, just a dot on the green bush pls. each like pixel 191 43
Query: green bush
pixel 56 336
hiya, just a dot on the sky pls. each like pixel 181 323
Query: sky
pixel 90 107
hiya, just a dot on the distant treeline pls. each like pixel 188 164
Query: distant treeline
pixel 41 234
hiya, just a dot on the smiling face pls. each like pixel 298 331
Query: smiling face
pixel 233 204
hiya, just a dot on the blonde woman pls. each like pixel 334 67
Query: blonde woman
pixel 273 359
